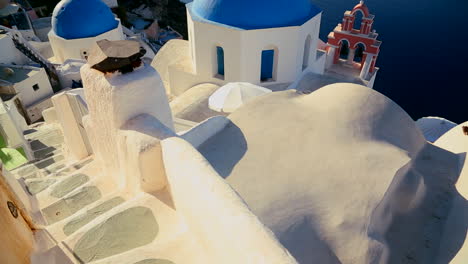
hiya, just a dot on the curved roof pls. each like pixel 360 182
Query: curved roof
pixel 434 127
pixel 256 14
pixel 363 8
pixel 74 19
pixel 325 168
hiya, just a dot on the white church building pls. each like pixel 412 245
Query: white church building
pixel 76 27
pixel 272 45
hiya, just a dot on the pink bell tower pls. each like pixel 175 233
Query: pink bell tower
pixel 345 35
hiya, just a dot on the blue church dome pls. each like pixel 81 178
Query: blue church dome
pixel 256 14
pixel 73 19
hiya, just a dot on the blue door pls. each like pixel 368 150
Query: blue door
pixel 268 57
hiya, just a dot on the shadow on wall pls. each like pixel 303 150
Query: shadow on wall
pixel 417 204
pixel 224 156
pixel 304 243
pixel 456 226
pixel 148 125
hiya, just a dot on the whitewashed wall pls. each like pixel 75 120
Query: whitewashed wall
pixel 75 48
pixel 243 49
pixel 8 53
pixel 69 115
pixel 25 89
pixel 242 53
pixel 229 231
pixel 113 100
pixel 12 125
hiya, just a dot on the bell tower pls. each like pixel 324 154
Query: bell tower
pixel 354 45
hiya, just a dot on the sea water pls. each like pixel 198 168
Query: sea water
pixel 424 55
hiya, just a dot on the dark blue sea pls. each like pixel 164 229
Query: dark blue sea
pixel 424 55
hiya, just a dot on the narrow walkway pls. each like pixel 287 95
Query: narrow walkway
pixel 88 221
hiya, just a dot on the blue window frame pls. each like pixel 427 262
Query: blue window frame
pixel 268 58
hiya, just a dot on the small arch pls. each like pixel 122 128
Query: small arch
pixel 358 16
pixel 359 54
pixel 220 62
pixel 344 48
pixel 305 59
pixel 360 43
pixel 269 63
pixel 361 7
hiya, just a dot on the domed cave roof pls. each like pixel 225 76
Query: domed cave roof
pixel 74 19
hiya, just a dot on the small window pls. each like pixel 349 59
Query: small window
pixel 220 61
pixel 36 87
pixel 268 58
pixel 84 54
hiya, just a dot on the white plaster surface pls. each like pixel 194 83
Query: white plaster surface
pixel 9 52
pixel 24 86
pixel 140 153
pixel 175 54
pixel 50 115
pixel 243 48
pixel 205 130
pixel 69 71
pixel 69 114
pixel 454 246
pixel 341 175
pixel 113 99
pixel 65 49
pixel 193 105
pixel 229 230
pixel 184 64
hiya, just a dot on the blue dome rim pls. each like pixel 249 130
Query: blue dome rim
pixel 239 24
pixel 68 24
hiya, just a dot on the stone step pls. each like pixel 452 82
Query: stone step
pixel 70 204
pixel 59 170
pixel 44 142
pixel 39 181
pixel 68 226
pixel 35 186
pixel 83 218
pixel 71 182
pixel 47 152
pixel 31 167
pixel 143 228
pixel 132 223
